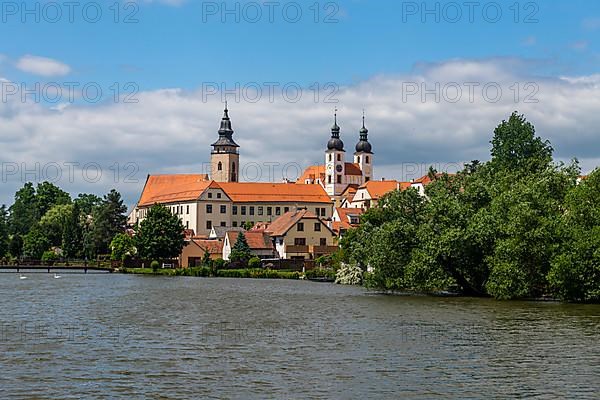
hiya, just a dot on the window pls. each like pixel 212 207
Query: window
pixel 300 227
pixel 233 167
pixel 209 208
pixel 209 195
pixel 277 210
pixel 220 166
pixel 330 157
pixel 367 159
pixel 328 178
pixel 339 157
pixel 243 210
pixel 269 211
pixel 323 242
pixel 251 210
pixel 208 224
pixel 318 210
pixel 234 224
pixel 339 179
pixel 187 211
pixel 234 210
pixel 323 212
pixel 317 227
pixel 223 223
pixel 300 242
pixel 223 209
pixel 358 159
pixel 219 195
pixel 187 224
pixel 260 210
pixel 286 209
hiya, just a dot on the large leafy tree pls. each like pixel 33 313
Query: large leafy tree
pixel 72 234
pixel 35 243
pixel 160 235
pixel 49 195
pixel 122 246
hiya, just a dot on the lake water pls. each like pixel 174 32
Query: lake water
pixel 122 336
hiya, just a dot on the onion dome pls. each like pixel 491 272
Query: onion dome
pixel 335 143
pixel 363 145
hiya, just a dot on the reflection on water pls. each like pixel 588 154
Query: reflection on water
pixel 106 336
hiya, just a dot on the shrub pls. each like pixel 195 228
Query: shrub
pixel 320 273
pixel 349 274
pixel 254 263
pixel 219 263
pixel 154 265
pixel 49 256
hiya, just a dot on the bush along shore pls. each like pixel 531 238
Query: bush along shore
pixel 318 274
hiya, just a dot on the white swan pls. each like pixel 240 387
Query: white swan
pixel 57 276
pixel 21 276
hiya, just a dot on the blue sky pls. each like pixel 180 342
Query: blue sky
pixel 173 51
pixel 186 43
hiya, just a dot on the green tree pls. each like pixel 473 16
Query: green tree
pixel 515 146
pixel 87 203
pixel 35 243
pixel 160 235
pixel 49 195
pixel 240 252
pixel 4 238
pixel 23 212
pixel 15 246
pixel 206 261
pixel 122 246
pixel 72 234
pixel 108 219
pixel 53 223
pixel 575 270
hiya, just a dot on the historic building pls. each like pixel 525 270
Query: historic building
pixel 203 202
pixel 337 175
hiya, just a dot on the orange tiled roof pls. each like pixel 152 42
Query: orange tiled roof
pixel 173 188
pixel 281 225
pixel 213 246
pixel 274 192
pixel 256 240
pixel 426 179
pixel 378 189
pixel 352 169
pixel 345 213
pixel 313 173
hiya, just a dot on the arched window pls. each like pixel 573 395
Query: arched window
pixel 358 159
pixel 220 166
pixel 233 167
pixel 339 157
pixel 330 157
pixel 367 159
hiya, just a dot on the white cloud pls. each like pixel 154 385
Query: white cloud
pixel 170 130
pixel 42 66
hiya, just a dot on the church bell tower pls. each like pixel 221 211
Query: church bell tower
pixel 225 157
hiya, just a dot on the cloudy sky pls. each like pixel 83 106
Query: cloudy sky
pixel 97 95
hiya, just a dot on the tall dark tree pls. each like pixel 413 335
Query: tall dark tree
pixel 35 243
pixel 87 203
pixel 72 235
pixel 160 235
pixel 108 219
pixel 4 239
pixel 240 252
pixel 15 246
pixel 24 212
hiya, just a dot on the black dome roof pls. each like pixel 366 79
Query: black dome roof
pixel 363 146
pixel 335 144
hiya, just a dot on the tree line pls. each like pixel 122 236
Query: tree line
pixel 517 226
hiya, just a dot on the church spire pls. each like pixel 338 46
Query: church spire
pixel 225 132
pixel 335 143
pixel 363 144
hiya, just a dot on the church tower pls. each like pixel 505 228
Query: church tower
pixel 335 162
pixel 225 158
pixel 363 155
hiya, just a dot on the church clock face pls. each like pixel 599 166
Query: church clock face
pixel 338 168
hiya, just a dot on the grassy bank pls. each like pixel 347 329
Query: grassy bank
pixel 222 273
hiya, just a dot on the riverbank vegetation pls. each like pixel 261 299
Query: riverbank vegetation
pixel 517 226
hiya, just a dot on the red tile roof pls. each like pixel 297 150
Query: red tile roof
pixel 173 188
pixel 378 189
pixel 213 246
pixel 352 169
pixel 281 225
pixel 256 240
pixel 426 179
pixel 275 192
pixel 315 172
